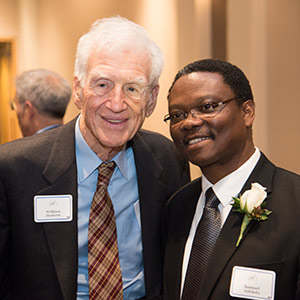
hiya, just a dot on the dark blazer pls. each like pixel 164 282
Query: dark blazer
pixel 273 244
pixel 39 260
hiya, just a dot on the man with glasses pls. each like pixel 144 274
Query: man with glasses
pixel 219 247
pixel 80 205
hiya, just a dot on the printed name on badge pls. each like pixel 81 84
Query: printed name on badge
pixel 53 208
pixel 251 283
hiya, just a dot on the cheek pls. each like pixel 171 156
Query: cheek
pixel 137 109
pixel 91 104
pixel 230 133
pixel 176 135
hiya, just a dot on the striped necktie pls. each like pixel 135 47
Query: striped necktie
pixel 105 278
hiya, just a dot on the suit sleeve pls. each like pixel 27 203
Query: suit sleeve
pixel 4 244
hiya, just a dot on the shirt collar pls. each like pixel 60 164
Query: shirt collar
pixel 47 128
pixel 231 185
pixel 88 161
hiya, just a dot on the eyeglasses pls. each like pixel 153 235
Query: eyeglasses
pixel 12 105
pixel 203 111
pixel 134 91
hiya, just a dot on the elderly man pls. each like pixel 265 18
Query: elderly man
pixel 219 247
pixel 80 205
pixel 41 100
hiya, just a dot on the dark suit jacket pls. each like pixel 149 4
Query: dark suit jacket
pixel 39 260
pixel 273 244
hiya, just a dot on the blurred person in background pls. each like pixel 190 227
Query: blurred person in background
pixel 41 100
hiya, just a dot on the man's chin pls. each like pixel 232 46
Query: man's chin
pixel 116 145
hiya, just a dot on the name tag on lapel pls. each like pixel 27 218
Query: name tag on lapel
pixel 53 208
pixel 250 283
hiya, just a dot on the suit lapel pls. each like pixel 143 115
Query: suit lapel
pixel 151 186
pixel 225 247
pixel 150 170
pixel 61 174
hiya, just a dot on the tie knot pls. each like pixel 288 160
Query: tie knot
pixel 211 199
pixel 105 172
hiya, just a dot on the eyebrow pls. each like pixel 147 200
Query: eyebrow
pixel 100 75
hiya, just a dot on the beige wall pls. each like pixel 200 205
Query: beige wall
pixel 8 18
pixel 247 48
pixel 262 38
pixel 283 80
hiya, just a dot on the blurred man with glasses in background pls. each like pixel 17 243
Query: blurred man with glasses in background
pixel 41 100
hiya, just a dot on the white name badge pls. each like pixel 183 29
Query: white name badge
pixel 250 283
pixel 53 208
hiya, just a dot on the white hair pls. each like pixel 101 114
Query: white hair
pixel 112 34
pixel 48 91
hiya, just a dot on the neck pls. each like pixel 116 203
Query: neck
pixel 43 122
pixel 218 171
pixel 105 153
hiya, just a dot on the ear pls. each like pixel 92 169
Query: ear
pixel 249 112
pixel 77 92
pixel 152 101
pixel 29 109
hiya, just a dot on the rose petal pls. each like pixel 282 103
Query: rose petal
pixel 252 198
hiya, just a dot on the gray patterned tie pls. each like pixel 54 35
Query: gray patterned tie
pixel 205 237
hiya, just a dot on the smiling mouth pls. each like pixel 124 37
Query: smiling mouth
pixel 115 121
pixel 197 140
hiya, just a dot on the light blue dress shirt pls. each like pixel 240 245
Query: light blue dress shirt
pixel 123 192
pixel 48 128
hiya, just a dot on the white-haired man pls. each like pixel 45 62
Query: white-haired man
pixel 48 182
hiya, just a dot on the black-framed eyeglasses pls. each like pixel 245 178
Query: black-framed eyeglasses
pixel 204 110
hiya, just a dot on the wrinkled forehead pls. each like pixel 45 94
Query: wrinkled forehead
pixel 127 64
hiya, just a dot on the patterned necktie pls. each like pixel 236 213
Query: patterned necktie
pixel 205 237
pixel 105 278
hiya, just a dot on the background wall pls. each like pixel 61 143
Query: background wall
pixel 260 36
pixel 263 38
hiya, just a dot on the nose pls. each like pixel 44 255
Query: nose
pixel 116 101
pixel 191 121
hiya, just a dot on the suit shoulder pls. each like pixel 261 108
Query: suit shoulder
pixel 159 145
pixel 37 144
pixel 287 174
pixel 32 148
pixel 192 188
pixel 287 180
pixel 150 147
pixel 153 137
pixel 22 145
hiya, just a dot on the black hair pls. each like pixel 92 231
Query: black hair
pixel 232 76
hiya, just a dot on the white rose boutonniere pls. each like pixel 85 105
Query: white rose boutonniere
pixel 252 205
